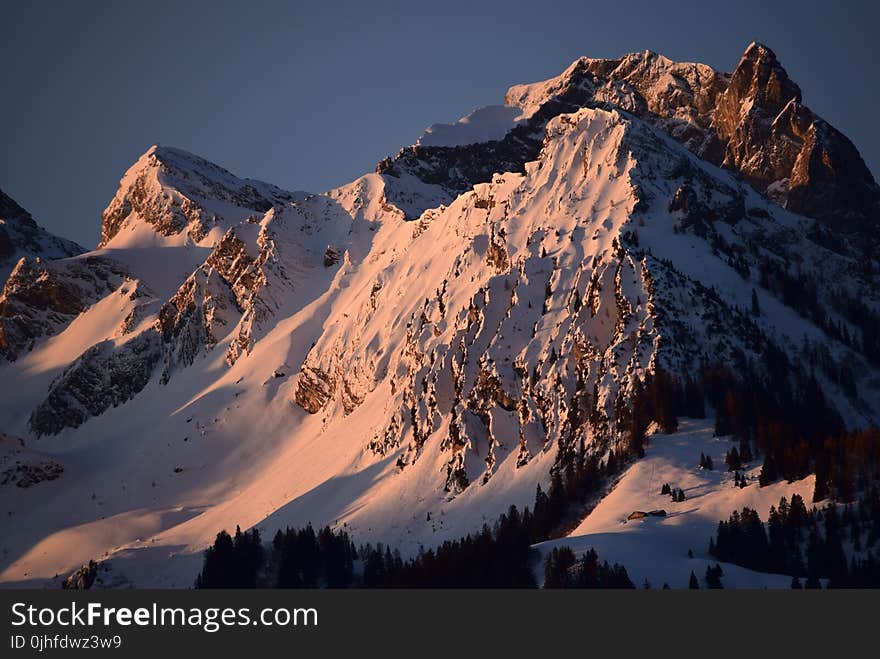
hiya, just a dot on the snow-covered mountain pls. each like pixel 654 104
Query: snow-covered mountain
pixel 21 236
pixel 411 353
pixel 177 195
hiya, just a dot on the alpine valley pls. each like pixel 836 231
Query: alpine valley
pixel 645 290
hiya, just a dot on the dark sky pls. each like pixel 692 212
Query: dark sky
pixel 309 95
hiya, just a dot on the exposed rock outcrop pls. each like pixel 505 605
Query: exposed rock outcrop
pixel 41 297
pixel 314 389
pixel 106 375
pixel 752 121
pixel 173 192
pixel 23 467
pixel 21 236
pixel 82 578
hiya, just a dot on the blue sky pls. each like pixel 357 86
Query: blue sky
pixel 309 95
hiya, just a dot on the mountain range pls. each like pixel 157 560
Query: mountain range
pixel 407 355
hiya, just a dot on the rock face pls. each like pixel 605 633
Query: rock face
pixel 752 121
pixel 786 150
pixel 22 467
pixel 224 294
pixel 758 92
pixel 41 297
pixel 314 389
pixel 457 169
pixel 82 578
pixel 176 193
pixel 21 236
pixel 104 376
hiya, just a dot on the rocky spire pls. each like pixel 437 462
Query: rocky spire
pixel 759 85
pixel 785 149
pixel 752 121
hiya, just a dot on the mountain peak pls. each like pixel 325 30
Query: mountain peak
pixel 20 236
pixel 787 151
pixel 760 82
pixel 169 193
pixel 10 211
pixel 182 160
pixel 752 121
pixel 758 51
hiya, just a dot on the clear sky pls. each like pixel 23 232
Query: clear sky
pixel 309 95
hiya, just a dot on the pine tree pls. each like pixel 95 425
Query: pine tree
pixel 769 471
pixel 557 567
pixel 820 491
pixel 732 460
pixel 745 451
pixel 713 577
pixel 556 498
pixel 541 523
pixel 693 584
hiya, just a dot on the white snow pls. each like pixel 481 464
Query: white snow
pixel 656 548
pixel 491 122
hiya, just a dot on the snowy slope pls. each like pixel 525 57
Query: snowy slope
pixel 656 548
pixel 491 122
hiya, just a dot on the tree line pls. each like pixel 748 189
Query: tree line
pixel 562 569
pixel 498 557
pixel 807 544
pixel 775 413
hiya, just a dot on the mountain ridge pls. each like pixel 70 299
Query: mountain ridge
pixel 20 236
pixel 700 108
pixel 170 189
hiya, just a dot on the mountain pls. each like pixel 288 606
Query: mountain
pixel 752 121
pixel 21 236
pixel 26 250
pixel 534 290
pixel 178 195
